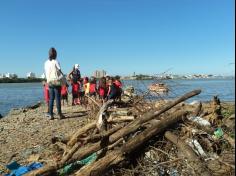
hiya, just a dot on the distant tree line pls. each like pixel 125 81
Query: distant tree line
pixel 20 80
pixel 143 77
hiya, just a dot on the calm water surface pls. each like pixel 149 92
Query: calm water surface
pixel 223 88
pixel 16 95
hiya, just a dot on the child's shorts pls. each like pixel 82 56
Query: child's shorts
pixel 64 97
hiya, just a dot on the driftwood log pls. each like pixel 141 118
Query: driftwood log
pixel 199 167
pixel 94 101
pixel 119 119
pixel 131 127
pixel 94 147
pixel 100 114
pixel 80 132
pixel 116 156
pixel 216 117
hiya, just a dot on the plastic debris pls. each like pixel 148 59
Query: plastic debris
pixel 18 170
pixel 194 144
pixel 218 133
pixel 73 166
pixel 200 121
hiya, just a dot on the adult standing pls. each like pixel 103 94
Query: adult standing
pixel 52 71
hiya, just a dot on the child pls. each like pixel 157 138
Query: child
pixel 113 90
pixel 74 77
pixel 75 93
pixel 118 84
pixel 102 89
pixel 84 99
pixel 46 94
pixel 86 85
pixel 64 93
pixel 92 87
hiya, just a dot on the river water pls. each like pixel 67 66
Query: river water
pixel 16 95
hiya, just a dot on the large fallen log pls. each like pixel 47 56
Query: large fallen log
pixel 116 156
pixel 199 167
pixel 80 132
pixel 131 127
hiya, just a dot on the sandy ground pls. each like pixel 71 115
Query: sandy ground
pixel 23 134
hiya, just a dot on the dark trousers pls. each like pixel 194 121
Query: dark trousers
pixel 54 92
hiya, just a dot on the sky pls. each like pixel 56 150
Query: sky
pixel 119 36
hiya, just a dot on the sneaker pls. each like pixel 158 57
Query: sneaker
pixel 49 116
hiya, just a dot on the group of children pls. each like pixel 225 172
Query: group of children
pixel 103 89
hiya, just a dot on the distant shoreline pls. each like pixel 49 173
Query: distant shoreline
pixel 20 80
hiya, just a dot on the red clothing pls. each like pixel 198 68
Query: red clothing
pixel 118 83
pixel 101 92
pixel 75 88
pixel 107 88
pixel 92 88
pixel 64 90
pixel 46 93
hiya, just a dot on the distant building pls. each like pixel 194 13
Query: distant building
pixel 11 75
pixel 2 76
pixel 43 76
pixel 30 75
pixel 99 74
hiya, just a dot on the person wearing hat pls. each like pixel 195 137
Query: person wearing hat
pixel 75 78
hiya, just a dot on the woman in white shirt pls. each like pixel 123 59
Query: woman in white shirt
pixel 52 69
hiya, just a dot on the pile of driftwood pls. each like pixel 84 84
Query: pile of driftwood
pixel 118 132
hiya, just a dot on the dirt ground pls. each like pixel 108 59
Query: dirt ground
pixel 26 135
pixel 23 134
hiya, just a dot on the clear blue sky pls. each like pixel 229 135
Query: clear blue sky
pixel 119 36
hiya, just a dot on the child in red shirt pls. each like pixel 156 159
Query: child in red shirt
pixel 102 89
pixel 64 93
pixel 115 88
pixel 93 87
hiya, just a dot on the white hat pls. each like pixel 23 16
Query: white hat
pixel 76 66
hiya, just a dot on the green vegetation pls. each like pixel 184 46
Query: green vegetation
pixel 20 80
pixel 228 109
pixel 143 77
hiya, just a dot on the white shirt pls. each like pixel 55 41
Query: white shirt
pixel 51 67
